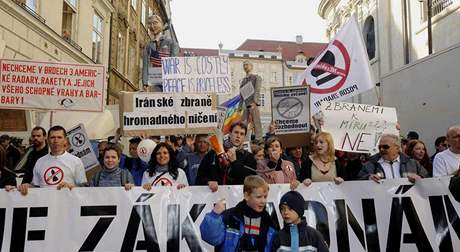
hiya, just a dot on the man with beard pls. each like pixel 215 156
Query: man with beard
pixel 39 149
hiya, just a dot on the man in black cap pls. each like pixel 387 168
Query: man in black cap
pixel 296 235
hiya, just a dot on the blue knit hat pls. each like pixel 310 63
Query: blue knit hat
pixel 295 201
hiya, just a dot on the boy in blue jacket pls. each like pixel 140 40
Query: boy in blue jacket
pixel 296 235
pixel 245 227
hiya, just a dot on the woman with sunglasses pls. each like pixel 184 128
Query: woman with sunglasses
pixel 416 149
pixel 322 165
pixel 162 170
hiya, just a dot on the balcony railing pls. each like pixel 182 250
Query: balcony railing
pixel 71 42
pixel 30 10
pixel 437 6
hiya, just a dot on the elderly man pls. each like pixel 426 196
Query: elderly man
pixel 159 47
pixel 448 162
pixel 391 163
pixel 193 160
pixel 241 163
pixel 59 168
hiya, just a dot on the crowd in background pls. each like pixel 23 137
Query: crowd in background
pixel 189 160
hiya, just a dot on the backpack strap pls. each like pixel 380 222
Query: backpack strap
pixel 124 177
pixel 97 178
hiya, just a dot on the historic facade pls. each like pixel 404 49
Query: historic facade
pixel 64 31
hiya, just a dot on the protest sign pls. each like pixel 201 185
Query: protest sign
pixel 51 86
pixel 81 146
pixel 221 115
pixel 354 216
pixel 358 127
pixel 290 109
pixel 206 74
pixel 145 114
pixel 342 70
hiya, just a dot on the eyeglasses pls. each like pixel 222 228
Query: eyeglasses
pixel 443 145
pixel 384 146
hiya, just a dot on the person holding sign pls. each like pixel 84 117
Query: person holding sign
pixel 112 174
pixel 59 168
pixel 322 165
pixel 250 92
pixel 162 170
pixel 159 47
pixel 238 164
pixel 391 163
pixel 274 169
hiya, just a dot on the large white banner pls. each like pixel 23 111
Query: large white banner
pixel 342 70
pixel 51 86
pixel 358 127
pixel 354 216
pixel 204 74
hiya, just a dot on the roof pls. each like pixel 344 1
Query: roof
pixel 288 49
pixel 198 52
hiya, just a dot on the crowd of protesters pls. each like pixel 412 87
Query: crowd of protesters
pixel 187 161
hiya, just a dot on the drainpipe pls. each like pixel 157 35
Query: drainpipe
pixel 405 32
pixel 430 35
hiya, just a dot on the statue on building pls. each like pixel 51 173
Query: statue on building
pixel 250 92
pixel 159 47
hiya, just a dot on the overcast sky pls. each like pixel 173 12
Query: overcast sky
pixel 205 23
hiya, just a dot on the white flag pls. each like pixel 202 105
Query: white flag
pixel 342 70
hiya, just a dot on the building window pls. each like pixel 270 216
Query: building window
pixel 143 12
pixel 274 77
pixel 32 4
pixel 132 74
pixel 121 52
pixel 134 4
pixel 68 16
pixel 97 39
pixel 72 3
pixel 369 36
pixel 300 58
pixel 262 99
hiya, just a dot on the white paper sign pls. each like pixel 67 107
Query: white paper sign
pixel 206 74
pixel 167 114
pixel 291 110
pixel 51 86
pixel 81 146
pixel 358 127
pixel 247 90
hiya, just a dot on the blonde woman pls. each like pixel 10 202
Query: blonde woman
pixel 322 164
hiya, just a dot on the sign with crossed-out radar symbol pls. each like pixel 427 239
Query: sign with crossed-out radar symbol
pixel 291 109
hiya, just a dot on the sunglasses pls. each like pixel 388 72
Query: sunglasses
pixel 384 146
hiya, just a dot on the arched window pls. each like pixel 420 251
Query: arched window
pixel 369 36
